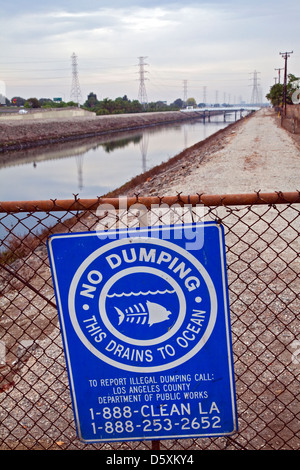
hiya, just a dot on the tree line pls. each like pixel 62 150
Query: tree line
pixel 123 105
pixel 120 105
pixel 35 103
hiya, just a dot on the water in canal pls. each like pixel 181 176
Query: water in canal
pixel 89 167
pixel 92 167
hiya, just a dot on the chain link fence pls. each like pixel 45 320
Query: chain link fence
pixel 262 250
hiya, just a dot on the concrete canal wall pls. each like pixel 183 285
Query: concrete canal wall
pixel 41 114
pixel 35 130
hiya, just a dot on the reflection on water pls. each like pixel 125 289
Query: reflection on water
pixel 89 167
pixel 92 167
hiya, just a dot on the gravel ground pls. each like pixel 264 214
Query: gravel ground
pixel 255 154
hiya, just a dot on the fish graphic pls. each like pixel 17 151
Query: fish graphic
pixel 149 314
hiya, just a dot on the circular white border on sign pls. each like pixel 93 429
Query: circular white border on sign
pixel 162 243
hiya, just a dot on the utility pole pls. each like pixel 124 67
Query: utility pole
pixel 75 90
pixel 278 70
pixel 285 55
pixel 142 90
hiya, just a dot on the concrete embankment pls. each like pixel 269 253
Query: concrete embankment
pixel 33 132
pixel 44 113
pixel 253 154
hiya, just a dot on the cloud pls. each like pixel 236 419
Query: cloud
pixel 202 41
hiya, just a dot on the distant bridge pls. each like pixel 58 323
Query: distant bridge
pixel 206 113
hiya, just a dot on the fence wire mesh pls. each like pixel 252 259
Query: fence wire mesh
pixel 262 251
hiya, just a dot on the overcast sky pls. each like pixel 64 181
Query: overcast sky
pixel 212 44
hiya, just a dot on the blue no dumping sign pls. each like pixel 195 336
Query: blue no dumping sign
pixel 145 323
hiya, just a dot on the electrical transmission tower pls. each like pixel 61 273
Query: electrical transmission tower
pixel 185 91
pixel 2 92
pixel 204 94
pixel 217 96
pixel 75 90
pixel 144 148
pixel 79 162
pixel 142 90
pixel 255 96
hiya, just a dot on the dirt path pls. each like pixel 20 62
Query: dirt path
pixel 256 154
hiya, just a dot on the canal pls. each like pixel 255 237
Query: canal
pixel 93 167
pixel 89 167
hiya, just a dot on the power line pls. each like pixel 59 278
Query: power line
pixel 32 70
